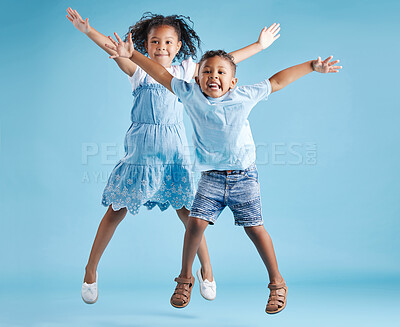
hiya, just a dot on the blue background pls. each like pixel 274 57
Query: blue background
pixel 334 221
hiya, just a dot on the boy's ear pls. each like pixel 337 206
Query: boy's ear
pixel 197 80
pixel 233 83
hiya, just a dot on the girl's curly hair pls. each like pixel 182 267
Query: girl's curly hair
pixel 186 34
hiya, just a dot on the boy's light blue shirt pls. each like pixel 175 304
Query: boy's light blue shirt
pixel 222 135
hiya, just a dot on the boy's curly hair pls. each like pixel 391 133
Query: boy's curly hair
pixel 219 53
pixel 186 34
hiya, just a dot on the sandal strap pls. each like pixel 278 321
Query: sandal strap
pixel 182 280
pixel 276 286
pixel 182 292
pixel 276 299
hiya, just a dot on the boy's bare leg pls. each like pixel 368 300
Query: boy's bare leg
pixel 277 286
pixel 104 234
pixel 193 236
pixel 265 248
pixel 202 252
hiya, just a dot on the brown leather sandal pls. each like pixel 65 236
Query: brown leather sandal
pixel 277 298
pixel 181 296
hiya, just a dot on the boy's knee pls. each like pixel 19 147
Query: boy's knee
pixel 254 230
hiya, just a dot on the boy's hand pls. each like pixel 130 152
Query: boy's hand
pixel 325 66
pixel 82 25
pixel 122 49
pixel 269 35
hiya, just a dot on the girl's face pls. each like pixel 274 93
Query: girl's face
pixel 162 44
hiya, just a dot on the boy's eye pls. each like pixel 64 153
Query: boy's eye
pixel 221 72
pixel 169 42
pixel 154 42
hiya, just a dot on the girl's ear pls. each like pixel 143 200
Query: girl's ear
pixel 145 45
pixel 178 46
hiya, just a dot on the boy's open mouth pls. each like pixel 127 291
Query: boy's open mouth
pixel 214 86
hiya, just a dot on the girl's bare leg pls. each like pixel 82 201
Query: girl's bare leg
pixel 265 248
pixel 104 234
pixel 202 252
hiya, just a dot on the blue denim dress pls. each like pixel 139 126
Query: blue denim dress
pixel 156 168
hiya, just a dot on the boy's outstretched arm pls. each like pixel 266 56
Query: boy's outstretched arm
pixel 289 75
pixel 154 69
pixel 126 65
pixel 267 37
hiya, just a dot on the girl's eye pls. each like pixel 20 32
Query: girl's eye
pixel 154 42
pixel 221 72
pixel 169 42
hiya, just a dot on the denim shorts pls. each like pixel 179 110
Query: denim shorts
pixel 237 189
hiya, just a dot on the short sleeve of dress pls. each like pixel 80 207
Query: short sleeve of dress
pixel 257 92
pixel 188 68
pixel 137 78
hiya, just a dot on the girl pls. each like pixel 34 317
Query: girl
pixel 156 168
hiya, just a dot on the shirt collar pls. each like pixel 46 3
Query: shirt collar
pixel 220 99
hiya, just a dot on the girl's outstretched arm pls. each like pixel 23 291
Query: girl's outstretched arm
pixel 126 50
pixel 126 65
pixel 266 38
pixel 289 75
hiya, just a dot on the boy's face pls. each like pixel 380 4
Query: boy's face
pixel 216 77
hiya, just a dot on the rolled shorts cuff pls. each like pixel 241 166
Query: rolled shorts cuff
pixel 202 217
pixel 258 222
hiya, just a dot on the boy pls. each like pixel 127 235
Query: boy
pixel 225 153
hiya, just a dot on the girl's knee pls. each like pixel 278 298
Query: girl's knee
pixel 118 215
pixel 196 225
pixel 183 212
pixel 183 215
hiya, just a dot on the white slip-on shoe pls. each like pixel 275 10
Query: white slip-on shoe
pixel 90 292
pixel 208 289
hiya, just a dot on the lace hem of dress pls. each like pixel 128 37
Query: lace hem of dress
pixel 131 186
pixel 134 210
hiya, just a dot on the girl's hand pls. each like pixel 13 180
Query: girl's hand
pixel 122 49
pixel 79 23
pixel 325 66
pixel 269 35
